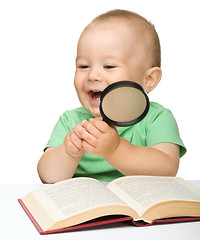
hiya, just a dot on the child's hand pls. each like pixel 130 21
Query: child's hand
pixel 73 143
pixel 98 137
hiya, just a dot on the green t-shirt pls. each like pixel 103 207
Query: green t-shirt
pixel 157 127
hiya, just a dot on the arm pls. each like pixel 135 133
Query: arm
pixel 160 160
pixel 103 140
pixel 60 163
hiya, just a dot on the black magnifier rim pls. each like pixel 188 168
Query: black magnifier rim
pixel 118 85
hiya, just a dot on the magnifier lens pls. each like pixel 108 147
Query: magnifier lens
pixel 124 103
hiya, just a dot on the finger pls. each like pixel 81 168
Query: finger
pixel 70 146
pixel 76 130
pixel 73 148
pixel 88 148
pixel 100 124
pixel 75 139
pixel 85 135
pixel 98 118
pixel 90 128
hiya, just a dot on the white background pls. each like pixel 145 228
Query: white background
pixel 37 62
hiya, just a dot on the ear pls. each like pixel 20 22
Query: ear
pixel 152 78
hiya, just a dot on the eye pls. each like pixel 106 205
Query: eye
pixel 83 66
pixel 109 66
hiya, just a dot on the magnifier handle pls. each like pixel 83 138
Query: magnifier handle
pixel 103 119
pixel 106 120
pixel 113 123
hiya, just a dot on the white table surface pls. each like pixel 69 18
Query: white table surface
pixel 15 224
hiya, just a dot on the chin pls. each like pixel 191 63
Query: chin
pixel 93 109
pixel 94 112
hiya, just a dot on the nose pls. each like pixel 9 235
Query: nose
pixel 95 74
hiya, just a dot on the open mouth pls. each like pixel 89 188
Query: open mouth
pixel 94 95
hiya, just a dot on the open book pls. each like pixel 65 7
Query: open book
pixel 82 202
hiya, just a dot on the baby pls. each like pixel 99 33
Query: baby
pixel 115 46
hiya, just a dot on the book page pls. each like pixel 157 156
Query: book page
pixel 142 192
pixel 73 196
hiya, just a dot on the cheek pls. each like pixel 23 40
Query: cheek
pixel 77 82
pixel 118 76
pixel 79 86
pixel 79 91
pixel 136 76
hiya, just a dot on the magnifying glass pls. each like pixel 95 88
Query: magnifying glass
pixel 124 103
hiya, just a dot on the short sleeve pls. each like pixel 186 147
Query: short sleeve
pixel 163 128
pixel 59 133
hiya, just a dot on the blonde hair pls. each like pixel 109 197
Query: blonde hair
pixel 145 28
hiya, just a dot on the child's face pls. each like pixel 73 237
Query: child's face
pixel 106 54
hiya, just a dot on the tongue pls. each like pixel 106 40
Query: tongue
pixel 96 95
